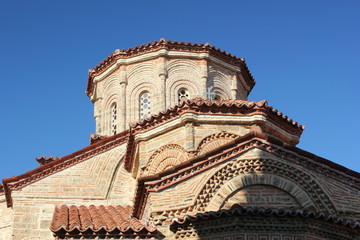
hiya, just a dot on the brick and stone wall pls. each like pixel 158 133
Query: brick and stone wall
pixel 6 220
pixel 100 180
pixel 255 179
pixel 162 77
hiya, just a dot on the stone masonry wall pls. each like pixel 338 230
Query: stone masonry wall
pixel 86 183
pixel 188 140
pixel 6 220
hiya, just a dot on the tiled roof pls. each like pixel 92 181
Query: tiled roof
pixel 94 138
pixel 170 46
pixel 42 160
pixel 233 107
pixel 222 107
pixel 74 219
pixel 237 210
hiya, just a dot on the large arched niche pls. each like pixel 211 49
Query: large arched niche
pixel 182 74
pixel 241 173
pixel 245 183
pixel 261 195
pixel 220 81
pixel 164 158
pixel 214 140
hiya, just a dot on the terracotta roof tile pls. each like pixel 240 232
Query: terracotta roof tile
pixel 237 210
pixel 74 219
pixel 231 106
pixel 42 160
pixel 94 138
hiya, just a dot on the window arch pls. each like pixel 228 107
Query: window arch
pixel 113 118
pixel 183 92
pixel 144 105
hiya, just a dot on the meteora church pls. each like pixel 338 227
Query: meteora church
pixel 180 153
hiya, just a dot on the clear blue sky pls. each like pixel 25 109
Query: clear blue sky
pixel 304 56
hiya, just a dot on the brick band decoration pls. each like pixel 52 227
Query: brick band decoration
pixel 260 223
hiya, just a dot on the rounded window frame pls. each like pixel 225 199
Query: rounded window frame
pixel 145 100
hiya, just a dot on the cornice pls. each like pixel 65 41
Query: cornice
pixel 237 210
pixel 167 46
pixel 221 108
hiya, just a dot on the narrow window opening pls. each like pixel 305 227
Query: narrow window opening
pixel 145 105
pixel 113 118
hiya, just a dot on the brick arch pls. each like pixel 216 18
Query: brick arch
pixel 174 89
pixel 223 94
pixel 140 78
pixel 220 80
pixel 134 100
pixel 299 198
pixel 108 102
pixel 296 179
pixel 214 140
pixel 145 69
pixel 182 73
pixel 282 175
pixel 164 158
pixel 261 195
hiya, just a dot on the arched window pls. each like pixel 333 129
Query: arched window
pixel 145 105
pixel 113 118
pixel 183 93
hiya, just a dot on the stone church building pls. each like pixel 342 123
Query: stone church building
pixel 180 153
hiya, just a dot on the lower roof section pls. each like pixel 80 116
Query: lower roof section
pixel 98 221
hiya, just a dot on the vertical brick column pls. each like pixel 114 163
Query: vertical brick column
pixel 162 75
pixel 122 107
pixel 98 109
pixel 204 78
pixel 234 86
pixel 97 115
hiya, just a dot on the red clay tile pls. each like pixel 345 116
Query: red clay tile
pixel 96 218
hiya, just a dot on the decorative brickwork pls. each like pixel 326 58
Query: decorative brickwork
pixel 214 141
pixel 265 196
pixel 264 224
pixel 169 46
pixel 165 157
